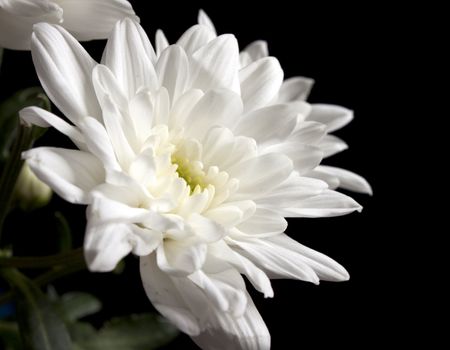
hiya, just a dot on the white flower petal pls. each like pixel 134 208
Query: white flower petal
pixel 231 213
pixel 260 82
pixel 215 108
pixel 328 203
pixel 183 107
pixel 347 179
pixel 172 70
pixel 290 192
pixel 309 133
pixel 181 258
pixel 141 113
pixel 263 223
pixel 65 71
pixel 144 241
pixel 44 119
pixel 259 124
pixel 256 276
pixel 161 42
pixel 257 50
pixel 304 157
pixel 165 296
pixel 94 19
pixel 195 38
pixel 225 290
pixel 225 332
pixel 204 19
pixel 330 145
pixel 331 180
pixel 105 245
pixel 334 117
pixel 326 268
pixel 260 174
pixel 130 56
pixel 70 173
pixel 206 230
pixel 161 109
pixel 18 17
pixel 221 148
pixel 294 89
pixel 275 260
pixel 98 142
pixel 215 65
pixel 116 124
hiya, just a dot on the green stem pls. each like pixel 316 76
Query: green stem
pixel 45 278
pixel 11 170
pixel 39 262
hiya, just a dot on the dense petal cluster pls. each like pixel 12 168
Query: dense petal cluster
pixel 85 19
pixel 191 160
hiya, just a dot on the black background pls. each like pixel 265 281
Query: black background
pixel 356 56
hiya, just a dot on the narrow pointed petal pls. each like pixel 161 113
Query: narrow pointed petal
pixel 326 268
pixel 276 261
pixel 204 19
pixel 257 50
pixel 328 203
pixel 260 82
pixel 347 179
pixel 331 145
pixel 130 56
pixel 259 124
pixel 195 38
pixel 334 117
pixel 172 70
pixel 216 108
pixel 99 143
pixel 70 173
pixel 290 192
pixel 65 71
pixel 294 89
pixel 44 119
pixel 215 65
pixel 263 223
pixel 94 19
pixel 161 42
pixel 260 174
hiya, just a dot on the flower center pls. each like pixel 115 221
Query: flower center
pixel 191 172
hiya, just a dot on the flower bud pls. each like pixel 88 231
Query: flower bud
pixel 30 193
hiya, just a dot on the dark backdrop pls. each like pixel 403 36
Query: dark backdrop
pixel 352 53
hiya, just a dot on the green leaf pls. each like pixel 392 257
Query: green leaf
pixel 9 116
pixel 64 232
pixel 39 325
pixel 80 331
pixel 76 305
pixel 135 332
pixel 9 336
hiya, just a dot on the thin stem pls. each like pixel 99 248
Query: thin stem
pixel 11 171
pixel 40 262
pixel 46 278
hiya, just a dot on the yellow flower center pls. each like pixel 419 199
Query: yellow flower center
pixel 191 171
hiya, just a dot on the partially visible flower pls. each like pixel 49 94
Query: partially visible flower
pixel 30 192
pixel 85 19
pixel 184 162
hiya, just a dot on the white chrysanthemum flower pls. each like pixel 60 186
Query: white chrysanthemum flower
pixel 293 90
pixel 85 19
pixel 179 165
